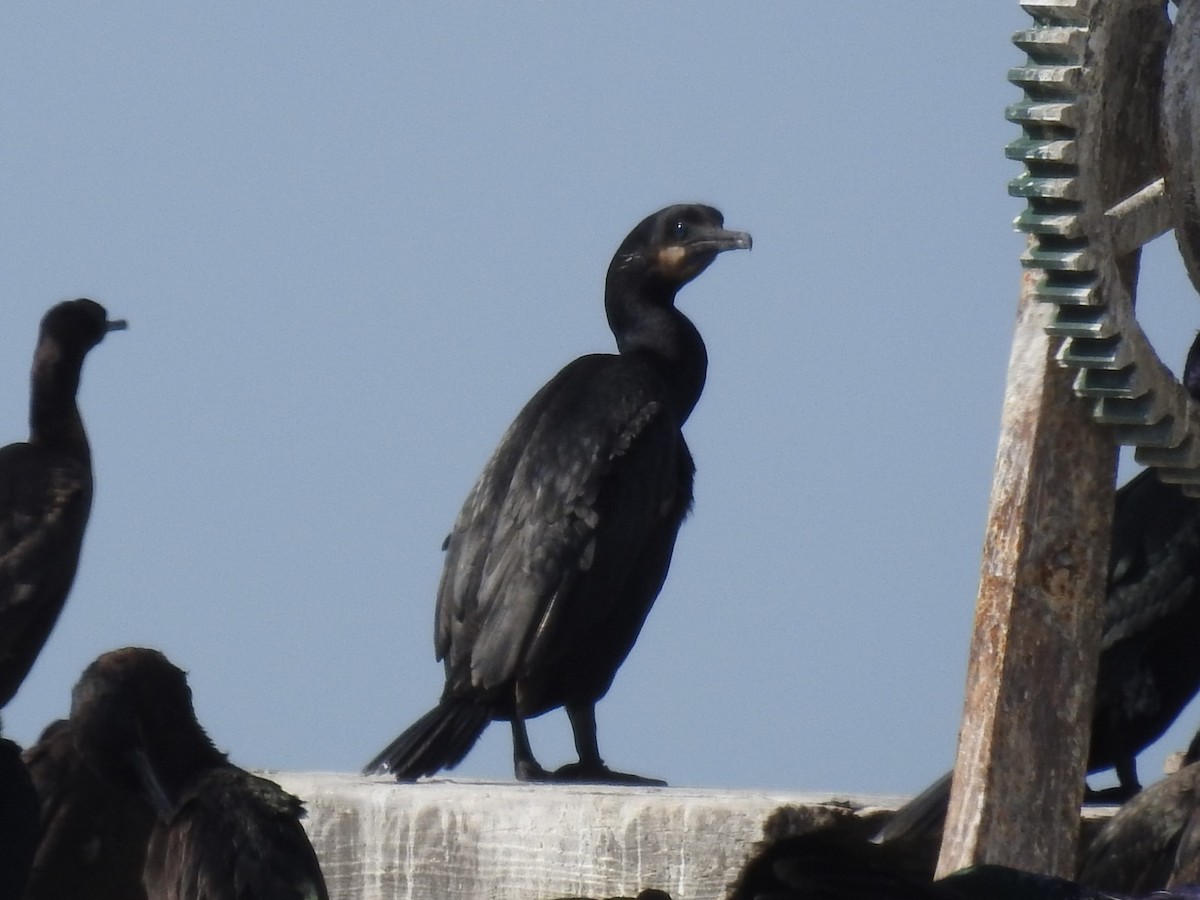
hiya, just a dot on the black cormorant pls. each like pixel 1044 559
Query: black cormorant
pixel 46 491
pixel 19 830
pixel 834 865
pixel 93 844
pixel 1153 840
pixel 564 542
pixel 221 833
pixel 825 865
pixel 1149 669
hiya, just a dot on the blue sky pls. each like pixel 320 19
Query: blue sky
pixel 351 243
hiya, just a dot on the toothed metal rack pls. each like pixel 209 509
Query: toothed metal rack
pixel 1080 75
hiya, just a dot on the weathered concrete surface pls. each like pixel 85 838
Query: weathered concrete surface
pixel 441 839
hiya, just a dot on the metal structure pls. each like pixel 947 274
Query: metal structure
pixel 1095 193
pixel 1082 378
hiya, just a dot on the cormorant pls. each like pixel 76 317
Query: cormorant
pixel 829 865
pixel 46 491
pixel 221 833
pixel 94 834
pixel 1149 669
pixel 1135 850
pixel 19 829
pixel 564 542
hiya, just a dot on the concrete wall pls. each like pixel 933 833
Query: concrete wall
pixel 440 839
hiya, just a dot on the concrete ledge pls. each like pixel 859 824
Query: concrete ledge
pixel 441 839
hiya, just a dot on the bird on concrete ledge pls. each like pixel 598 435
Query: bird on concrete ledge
pixel 46 491
pixel 19 830
pixel 564 542
pixel 221 833
pixel 831 865
pixel 93 843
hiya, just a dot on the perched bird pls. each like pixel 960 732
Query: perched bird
pixel 221 833
pixel 1153 840
pixel 46 491
pixel 829 865
pixel 1149 670
pixel 19 829
pixel 93 844
pixel 564 542
pixel 825 865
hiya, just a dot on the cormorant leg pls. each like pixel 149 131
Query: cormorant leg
pixel 587 744
pixel 1127 776
pixel 1127 787
pixel 591 767
pixel 526 767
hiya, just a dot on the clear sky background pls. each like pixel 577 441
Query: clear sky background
pixel 352 242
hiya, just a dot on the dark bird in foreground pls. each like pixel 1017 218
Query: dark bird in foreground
pixel 564 542
pixel 93 844
pixel 46 491
pixel 1153 840
pixel 831 866
pixel 19 829
pixel 1149 668
pixel 221 833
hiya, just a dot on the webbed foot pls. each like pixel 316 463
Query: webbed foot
pixel 581 773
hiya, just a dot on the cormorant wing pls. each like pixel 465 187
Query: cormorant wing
pixel 93 834
pixel 40 507
pixel 584 474
pixel 18 821
pixel 1186 868
pixel 234 836
pixel 1152 570
pixel 1135 850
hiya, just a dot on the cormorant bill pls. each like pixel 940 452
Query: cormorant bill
pixel 46 491
pixel 19 829
pixel 564 542
pixel 94 835
pixel 1149 670
pixel 221 833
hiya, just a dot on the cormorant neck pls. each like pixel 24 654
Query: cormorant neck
pixel 647 325
pixel 179 754
pixel 54 421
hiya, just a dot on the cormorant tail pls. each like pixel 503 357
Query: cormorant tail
pixel 438 740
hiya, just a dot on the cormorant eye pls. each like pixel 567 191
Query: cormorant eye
pixel 679 231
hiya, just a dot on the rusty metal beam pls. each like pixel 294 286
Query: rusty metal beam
pixel 1023 746
pixel 1089 120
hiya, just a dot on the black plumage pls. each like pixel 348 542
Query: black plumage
pixel 829 864
pixel 823 865
pixel 1136 850
pixel 19 830
pixel 93 844
pixel 1149 670
pixel 564 542
pixel 46 491
pixel 221 833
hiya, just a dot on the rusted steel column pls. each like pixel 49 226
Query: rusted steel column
pixel 1023 747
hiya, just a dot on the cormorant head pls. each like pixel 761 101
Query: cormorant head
pixel 675 244
pixel 79 325
pixel 121 704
